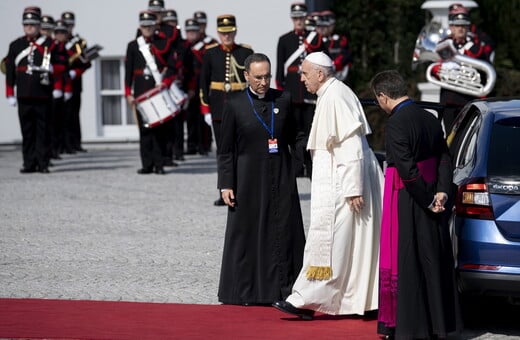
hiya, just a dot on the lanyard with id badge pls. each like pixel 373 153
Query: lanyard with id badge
pixel 272 143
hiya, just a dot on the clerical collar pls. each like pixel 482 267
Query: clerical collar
pixel 257 95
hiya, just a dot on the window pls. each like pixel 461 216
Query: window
pixel 503 157
pixel 468 144
pixel 115 110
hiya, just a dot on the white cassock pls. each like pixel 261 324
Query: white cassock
pixel 338 238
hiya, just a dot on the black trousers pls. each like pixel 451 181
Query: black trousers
pixel 56 127
pixel 34 115
pixel 72 123
pixel 151 145
pixel 197 138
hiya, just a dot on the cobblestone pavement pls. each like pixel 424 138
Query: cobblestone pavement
pixel 94 229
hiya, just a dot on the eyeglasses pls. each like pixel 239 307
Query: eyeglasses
pixel 265 77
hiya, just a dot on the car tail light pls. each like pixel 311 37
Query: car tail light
pixel 473 201
pixel 479 267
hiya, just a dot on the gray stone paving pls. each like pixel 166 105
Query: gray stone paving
pixel 93 229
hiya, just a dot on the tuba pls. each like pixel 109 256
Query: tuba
pixel 426 42
pixel 459 73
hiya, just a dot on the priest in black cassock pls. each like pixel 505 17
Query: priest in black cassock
pixel 264 240
pixel 417 296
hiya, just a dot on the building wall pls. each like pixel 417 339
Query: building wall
pixel 113 23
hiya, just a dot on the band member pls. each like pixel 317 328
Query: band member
pixel 291 50
pixel 197 141
pixel 222 73
pixel 466 43
pixel 171 32
pixel 75 46
pixel 29 71
pixel 337 46
pixel 62 89
pixel 202 19
pixel 47 26
pixel 183 56
pixel 147 66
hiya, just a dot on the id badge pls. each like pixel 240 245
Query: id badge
pixel 273 145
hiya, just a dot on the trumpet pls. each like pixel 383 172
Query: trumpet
pixel 461 73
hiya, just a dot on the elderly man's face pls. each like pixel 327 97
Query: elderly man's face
pixel 311 76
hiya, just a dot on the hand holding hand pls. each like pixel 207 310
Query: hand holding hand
pixel 439 202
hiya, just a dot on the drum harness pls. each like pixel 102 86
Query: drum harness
pixel 144 48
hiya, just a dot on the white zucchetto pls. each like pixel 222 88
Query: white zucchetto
pixel 319 58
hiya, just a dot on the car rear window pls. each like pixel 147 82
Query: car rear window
pixel 504 155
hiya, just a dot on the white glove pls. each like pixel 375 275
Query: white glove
pixel 67 96
pixel 72 74
pixel 12 101
pixel 57 94
pixel 207 119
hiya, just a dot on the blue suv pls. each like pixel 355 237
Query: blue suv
pixel 485 146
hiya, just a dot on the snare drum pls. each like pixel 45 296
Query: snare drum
pixel 156 106
pixel 179 96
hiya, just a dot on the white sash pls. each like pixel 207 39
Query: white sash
pixel 198 46
pixel 144 48
pixel 28 49
pixel 298 52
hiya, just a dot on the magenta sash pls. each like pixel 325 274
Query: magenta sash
pixel 388 257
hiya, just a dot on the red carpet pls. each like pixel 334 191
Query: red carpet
pixel 66 319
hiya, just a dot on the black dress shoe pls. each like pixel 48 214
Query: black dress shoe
pixel 27 170
pixel 286 307
pixel 159 170
pixel 219 203
pixel 80 149
pixel 145 171
pixel 44 170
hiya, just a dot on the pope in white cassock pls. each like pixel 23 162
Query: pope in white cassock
pixel 340 262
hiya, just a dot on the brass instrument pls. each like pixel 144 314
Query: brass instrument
pixel 426 43
pixel 78 45
pixel 44 69
pixel 461 73
pixel 81 51
pixel 3 66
